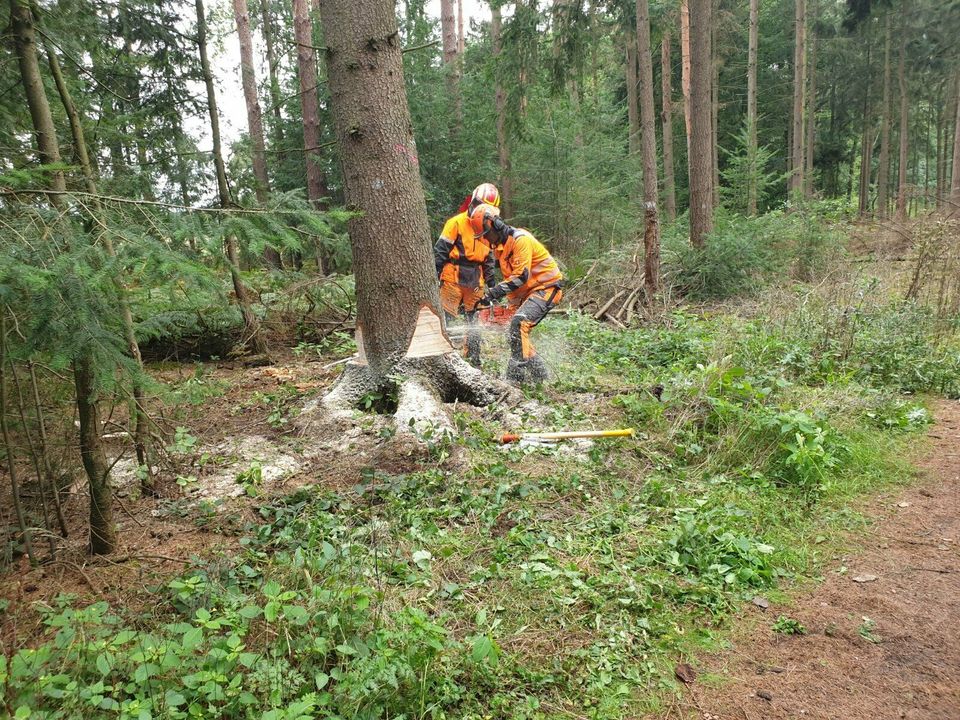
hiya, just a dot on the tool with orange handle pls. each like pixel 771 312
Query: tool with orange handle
pixel 565 435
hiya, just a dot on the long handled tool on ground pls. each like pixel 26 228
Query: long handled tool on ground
pixel 564 435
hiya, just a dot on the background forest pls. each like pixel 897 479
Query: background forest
pixel 753 204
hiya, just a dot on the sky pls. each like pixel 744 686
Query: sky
pixel 225 59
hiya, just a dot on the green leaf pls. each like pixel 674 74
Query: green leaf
pixel 482 647
pixel 174 699
pixel 250 612
pixel 192 638
pixel 321 679
pixel 103 664
pixel 271 610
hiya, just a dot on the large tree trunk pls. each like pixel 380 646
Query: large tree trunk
pixel 666 122
pixel 883 170
pixel 685 66
pixel 753 44
pixel 310 110
pixel 795 184
pixel 500 99
pixel 648 150
pixel 700 165
pixel 902 187
pixel 24 40
pixel 396 282
pixel 250 321
pixel 141 432
pixel 254 116
pixel 266 27
pixel 811 113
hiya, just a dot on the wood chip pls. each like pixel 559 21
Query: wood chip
pixel 765 695
pixel 761 602
pixel 685 673
pixel 863 578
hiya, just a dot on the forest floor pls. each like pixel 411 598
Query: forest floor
pixel 882 638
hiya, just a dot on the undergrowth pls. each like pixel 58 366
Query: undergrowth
pixel 517 583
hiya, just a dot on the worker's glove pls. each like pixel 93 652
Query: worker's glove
pixel 485 301
pixel 498 225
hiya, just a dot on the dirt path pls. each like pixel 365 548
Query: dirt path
pixel 904 665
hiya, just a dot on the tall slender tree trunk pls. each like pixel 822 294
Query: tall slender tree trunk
pixel 448 30
pixel 866 139
pixel 25 530
pixel 267 29
pixel 633 106
pixel 811 112
pixel 141 429
pixel 666 122
pixel 715 102
pixel 461 37
pixel 883 170
pixel 648 151
pixel 44 448
pixel 685 66
pixel 310 111
pixel 795 183
pixel 102 531
pixel 701 153
pixel 943 132
pixel 752 47
pixel 954 203
pixel 250 321
pixel 902 182
pixel 248 78
pixel 381 176
pixel 500 99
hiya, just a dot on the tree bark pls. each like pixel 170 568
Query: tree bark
pixel 250 321
pixel 25 529
pixel 701 153
pixel 752 48
pixel 715 102
pixel 381 177
pixel 633 103
pixel 666 122
pixel 685 66
pixel 461 37
pixel 648 151
pixel 902 187
pixel 797 155
pixel 811 112
pixel 310 110
pixel 866 140
pixel 883 170
pixel 448 30
pixel 24 40
pixel 266 27
pixel 955 173
pixel 141 430
pixel 500 99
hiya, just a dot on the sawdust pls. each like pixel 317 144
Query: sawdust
pixel 889 648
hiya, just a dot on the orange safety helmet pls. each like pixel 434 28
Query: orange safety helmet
pixel 480 218
pixel 486 193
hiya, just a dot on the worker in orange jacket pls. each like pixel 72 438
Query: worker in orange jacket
pixel 465 265
pixel 532 282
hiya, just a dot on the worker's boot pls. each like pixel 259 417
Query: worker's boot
pixel 537 370
pixel 516 371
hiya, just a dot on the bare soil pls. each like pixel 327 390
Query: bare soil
pixel 879 648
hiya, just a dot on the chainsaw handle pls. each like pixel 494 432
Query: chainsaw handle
pixel 508 438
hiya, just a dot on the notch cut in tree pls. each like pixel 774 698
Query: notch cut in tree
pixel 400 333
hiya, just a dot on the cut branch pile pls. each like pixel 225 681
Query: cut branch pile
pixel 620 308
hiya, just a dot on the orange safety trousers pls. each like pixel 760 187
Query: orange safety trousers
pixel 456 299
pixel 533 309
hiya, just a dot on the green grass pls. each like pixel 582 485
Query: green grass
pixel 514 584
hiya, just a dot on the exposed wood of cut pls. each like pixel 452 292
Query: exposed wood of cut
pixel 428 339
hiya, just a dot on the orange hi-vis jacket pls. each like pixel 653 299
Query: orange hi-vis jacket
pixel 460 257
pixel 527 266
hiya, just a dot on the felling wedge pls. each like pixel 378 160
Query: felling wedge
pixel 565 435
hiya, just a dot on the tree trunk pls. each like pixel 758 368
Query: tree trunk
pixel 648 151
pixel 45 449
pixel 811 113
pixel 500 99
pixel 461 37
pixel 866 142
pixel 902 187
pixel 943 125
pixel 250 321
pixel 310 110
pixel 715 102
pixel 666 122
pixel 752 105
pixel 883 170
pixel 254 117
pixel 685 66
pixel 795 184
pixel 448 30
pixel 633 105
pixel 955 172
pixel 141 431
pixel 701 153
pixel 276 101
pixel 103 536
pixel 24 40
pixel 25 529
